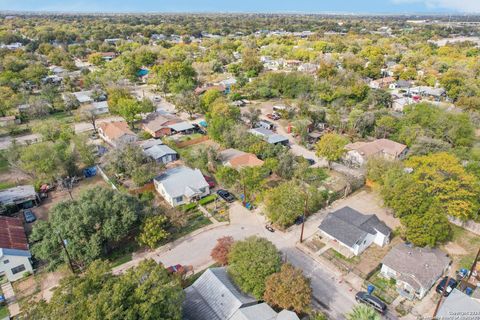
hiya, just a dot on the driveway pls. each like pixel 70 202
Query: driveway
pixel 330 292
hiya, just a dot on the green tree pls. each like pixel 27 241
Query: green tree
pixel 363 312
pixel 187 102
pixel 90 226
pixel 130 109
pixel 250 263
pixel 152 231
pixel 284 203
pixel 288 289
pixel 331 147
pixel 227 176
pixel 174 76
pixel 146 292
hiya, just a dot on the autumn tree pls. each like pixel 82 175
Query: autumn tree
pixel 288 289
pixel 251 261
pixel 221 250
pixel 152 231
pixel 331 147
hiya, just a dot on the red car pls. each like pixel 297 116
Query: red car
pixel 210 181
pixel 273 116
pixel 176 268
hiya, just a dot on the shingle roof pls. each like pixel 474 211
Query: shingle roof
pixel 417 266
pixel 377 146
pixel 115 130
pixel 350 226
pixel 214 297
pixel 245 160
pixel 12 234
pixel 457 303
pixel 159 151
pixel 145 144
pixel 181 181
pixel 157 121
pixel 261 311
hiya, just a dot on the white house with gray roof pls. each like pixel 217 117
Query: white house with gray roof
pixel 159 152
pixel 214 297
pixel 354 230
pixel 415 269
pixel 181 185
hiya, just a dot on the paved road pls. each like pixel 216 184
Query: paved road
pixel 330 292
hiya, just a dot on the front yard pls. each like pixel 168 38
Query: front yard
pixel 385 289
pixel 462 249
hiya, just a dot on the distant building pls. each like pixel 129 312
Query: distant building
pixel 458 303
pixel 116 133
pixel 158 124
pixel 238 159
pixel 270 136
pixel 14 253
pixel 100 107
pixel 213 296
pixel 415 269
pixel 161 153
pixel 354 230
pixel 358 153
pixel 382 83
pixel 84 97
pixel 181 185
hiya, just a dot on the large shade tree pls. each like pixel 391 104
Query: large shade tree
pixel 89 226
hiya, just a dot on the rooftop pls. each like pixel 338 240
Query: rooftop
pixel 158 151
pixel 377 146
pixel 12 234
pixel 350 226
pixel 180 181
pixel 16 194
pixel 115 130
pixel 417 266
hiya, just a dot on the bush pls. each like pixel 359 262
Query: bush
pixel 188 207
pixel 207 199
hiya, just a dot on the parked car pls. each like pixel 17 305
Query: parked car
pixel 273 116
pixel 29 216
pixel 310 161
pixel 210 181
pixel 299 220
pixel 452 284
pixel 374 302
pixel 269 228
pixel 225 195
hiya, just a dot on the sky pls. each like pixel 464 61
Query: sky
pixel 263 6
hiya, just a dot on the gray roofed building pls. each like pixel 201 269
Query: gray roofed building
pixel 354 230
pixel 269 136
pixel 458 303
pixel 181 126
pixel 181 185
pixel 145 144
pixel 213 296
pixel 19 197
pixel 161 153
pixel 83 96
pixel 415 269
pixel 100 107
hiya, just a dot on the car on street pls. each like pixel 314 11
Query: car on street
pixel 372 301
pixel 210 181
pixel 269 228
pixel 29 216
pixel 452 284
pixel 225 195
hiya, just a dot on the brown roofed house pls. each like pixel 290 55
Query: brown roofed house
pixel 358 153
pixel 116 133
pixel 158 125
pixel 14 253
pixel 238 159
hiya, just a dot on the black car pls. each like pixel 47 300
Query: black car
pixel 269 228
pixel 452 284
pixel 29 216
pixel 225 195
pixel 374 302
pixel 310 161
pixel 299 220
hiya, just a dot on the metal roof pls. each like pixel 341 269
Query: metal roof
pixel 12 234
pixel 261 311
pixel 17 194
pixel 181 126
pixel 181 181
pixel 83 96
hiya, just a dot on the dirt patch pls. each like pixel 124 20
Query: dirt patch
pixel 371 258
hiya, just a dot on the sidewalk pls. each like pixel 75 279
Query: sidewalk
pixel 13 306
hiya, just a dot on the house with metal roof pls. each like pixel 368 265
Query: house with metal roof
pixel 181 185
pixel 84 96
pixel 17 198
pixel 415 269
pixel 14 253
pixel 269 136
pixel 100 107
pixel 354 230
pixel 213 296
pixel 182 127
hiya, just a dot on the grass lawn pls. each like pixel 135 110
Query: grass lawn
pixel 123 253
pixel 463 247
pixel 4 312
pixel 196 221
pixel 3 162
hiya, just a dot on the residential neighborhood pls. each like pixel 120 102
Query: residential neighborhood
pixel 250 165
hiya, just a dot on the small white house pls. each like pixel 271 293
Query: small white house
pixel 14 254
pixel 358 153
pixel 415 269
pixel 181 185
pixel 354 230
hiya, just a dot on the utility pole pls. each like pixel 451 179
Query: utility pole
pixel 66 252
pixel 305 208
pixel 441 298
